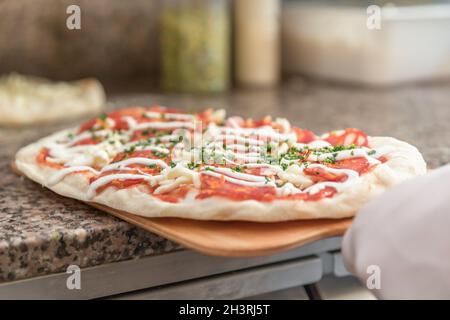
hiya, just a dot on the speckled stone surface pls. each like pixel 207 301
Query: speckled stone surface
pixel 41 232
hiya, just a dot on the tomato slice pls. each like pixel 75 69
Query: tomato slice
pixel 135 154
pixel 348 137
pixel 86 142
pixel 41 158
pixel 320 174
pixel 174 196
pixel 135 112
pixel 212 186
pixel 87 125
pixel 250 123
pixel 303 135
pixel 326 192
pixel 359 164
pixel 161 109
pixel 121 184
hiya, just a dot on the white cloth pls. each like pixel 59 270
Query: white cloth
pixel 406 233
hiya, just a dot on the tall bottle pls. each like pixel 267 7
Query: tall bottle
pixel 194 45
pixel 257 42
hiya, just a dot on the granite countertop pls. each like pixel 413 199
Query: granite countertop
pixel 42 233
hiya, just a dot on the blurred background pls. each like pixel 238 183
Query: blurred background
pixel 215 45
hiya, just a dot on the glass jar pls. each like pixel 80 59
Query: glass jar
pixel 195 45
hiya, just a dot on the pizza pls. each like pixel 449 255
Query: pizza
pixel 26 99
pixel 162 162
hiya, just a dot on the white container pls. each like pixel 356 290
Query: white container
pixel 334 42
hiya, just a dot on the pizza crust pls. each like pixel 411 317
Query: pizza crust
pixel 404 163
pixel 26 100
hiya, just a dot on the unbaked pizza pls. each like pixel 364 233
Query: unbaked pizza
pixel 161 162
pixel 28 100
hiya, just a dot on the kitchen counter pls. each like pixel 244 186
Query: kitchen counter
pixel 43 233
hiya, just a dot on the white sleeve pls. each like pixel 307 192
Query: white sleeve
pixel 406 234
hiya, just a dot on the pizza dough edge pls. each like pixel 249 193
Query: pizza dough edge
pixel 404 163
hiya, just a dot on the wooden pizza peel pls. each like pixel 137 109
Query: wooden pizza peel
pixel 233 238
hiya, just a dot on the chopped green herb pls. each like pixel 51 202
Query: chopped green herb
pixel 334 149
pixel 159 154
pixel 330 160
pixel 131 149
pixel 103 117
pixel 193 165
pixel 371 152
pixel 176 140
pixel 172 164
pixel 152 166
pixel 237 169
pixel 292 156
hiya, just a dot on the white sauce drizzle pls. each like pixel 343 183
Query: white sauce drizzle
pixel 344 154
pixel 172 185
pixel 246 147
pixel 265 133
pixel 61 174
pixel 145 161
pixel 238 175
pixel 241 182
pixel 318 144
pixel 287 189
pixel 162 125
pixel 119 176
pixel 239 139
pixel 352 178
